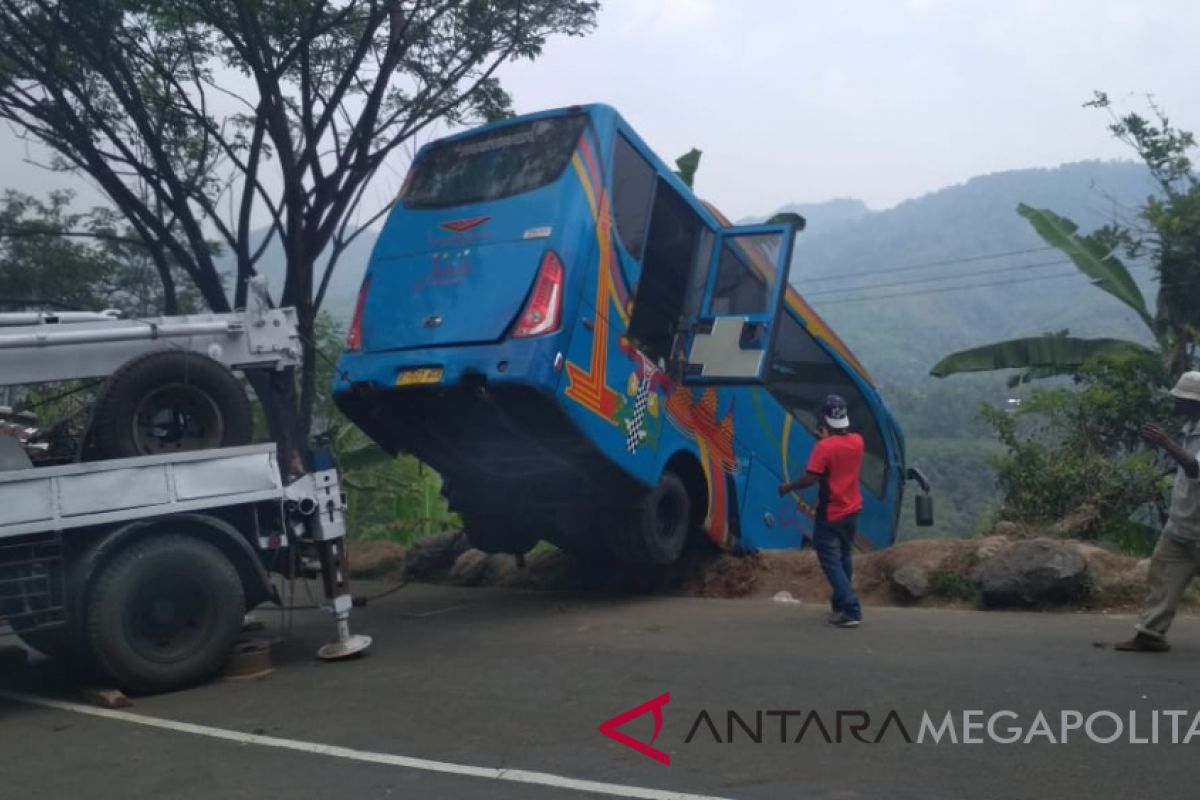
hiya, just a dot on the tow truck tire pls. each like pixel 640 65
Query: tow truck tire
pixel 656 531
pixel 170 401
pixel 163 614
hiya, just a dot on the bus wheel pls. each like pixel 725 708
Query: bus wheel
pixel 657 530
pixel 164 613
pixel 494 532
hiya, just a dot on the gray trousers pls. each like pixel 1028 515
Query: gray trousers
pixel 1174 563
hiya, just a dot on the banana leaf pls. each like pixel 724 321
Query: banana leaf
pixel 1051 354
pixel 1097 262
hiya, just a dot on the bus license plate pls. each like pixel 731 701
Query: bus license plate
pixel 419 377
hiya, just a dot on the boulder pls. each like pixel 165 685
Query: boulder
pixel 1037 572
pixel 989 546
pixel 434 554
pixel 910 582
pixel 469 568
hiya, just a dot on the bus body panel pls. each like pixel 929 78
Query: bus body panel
pixel 606 411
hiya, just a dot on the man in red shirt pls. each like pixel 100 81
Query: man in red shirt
pixel 835 464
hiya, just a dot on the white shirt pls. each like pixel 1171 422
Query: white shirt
pixel 1184 517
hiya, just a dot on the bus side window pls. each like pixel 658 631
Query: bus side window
pixel 800 373
pixel 633 191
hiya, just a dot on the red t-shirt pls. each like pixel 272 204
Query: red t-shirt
pixel 838 460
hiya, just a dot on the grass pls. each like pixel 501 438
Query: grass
pixel 953 586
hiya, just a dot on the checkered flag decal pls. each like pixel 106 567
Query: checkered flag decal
pixel 634 425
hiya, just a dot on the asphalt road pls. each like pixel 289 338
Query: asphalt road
pixel 521 681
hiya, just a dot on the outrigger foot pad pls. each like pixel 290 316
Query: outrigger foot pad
pixel 347 648
pixel 347 645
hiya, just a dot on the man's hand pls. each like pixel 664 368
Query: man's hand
pixel 1156 436
pixel 784 488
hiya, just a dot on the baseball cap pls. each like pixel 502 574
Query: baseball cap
pixel 834 412
pixel 1187 387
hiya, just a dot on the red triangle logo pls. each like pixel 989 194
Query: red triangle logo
pixel 655 707
pixel 460 225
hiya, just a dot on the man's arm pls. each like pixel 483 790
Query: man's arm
pixel 1157 437
pixel 806 480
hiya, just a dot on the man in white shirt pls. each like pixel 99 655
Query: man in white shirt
pixel 1176 558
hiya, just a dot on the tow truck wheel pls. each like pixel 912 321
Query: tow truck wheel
pixel 656 531
pixel 170 401
pixel 164 613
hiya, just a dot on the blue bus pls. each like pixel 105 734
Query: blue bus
pixel 592 356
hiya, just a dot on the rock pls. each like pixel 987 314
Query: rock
pixel 1006 528
pixel 911 582
pixel 469 568
pixel 990 546
pixel 105 697
pixel 434 554
pixel 1037 572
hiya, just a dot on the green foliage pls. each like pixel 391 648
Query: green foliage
pixel 1077 451
pixel 1170 235
pixel 953 586
pixel 52 256
pixel 1090 255
pixel 1048 355
pixel 136 95
pixel 687 165
pixel 387 498
pixel 1132 538
pixel 1171 239
pixel 964 486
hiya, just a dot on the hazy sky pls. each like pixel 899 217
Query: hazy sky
pixel 877 99
pixel 796 100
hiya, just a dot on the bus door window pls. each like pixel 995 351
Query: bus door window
pixel 745 282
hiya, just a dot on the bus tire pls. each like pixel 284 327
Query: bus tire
pixel 656 531
pixel 170 401
pixel 163 613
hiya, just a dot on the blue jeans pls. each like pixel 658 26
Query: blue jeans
pixel 834 543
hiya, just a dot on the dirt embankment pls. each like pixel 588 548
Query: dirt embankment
pixel 993 571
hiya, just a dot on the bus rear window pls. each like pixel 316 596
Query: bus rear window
pixel 496 164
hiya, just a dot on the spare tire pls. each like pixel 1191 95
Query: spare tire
pixel 170 401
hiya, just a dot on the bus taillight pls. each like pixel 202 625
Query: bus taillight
pixel 354 337
pixel 543 312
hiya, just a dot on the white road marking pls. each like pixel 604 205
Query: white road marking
pixel 366 756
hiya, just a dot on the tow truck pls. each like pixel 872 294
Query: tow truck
pixel 137 534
